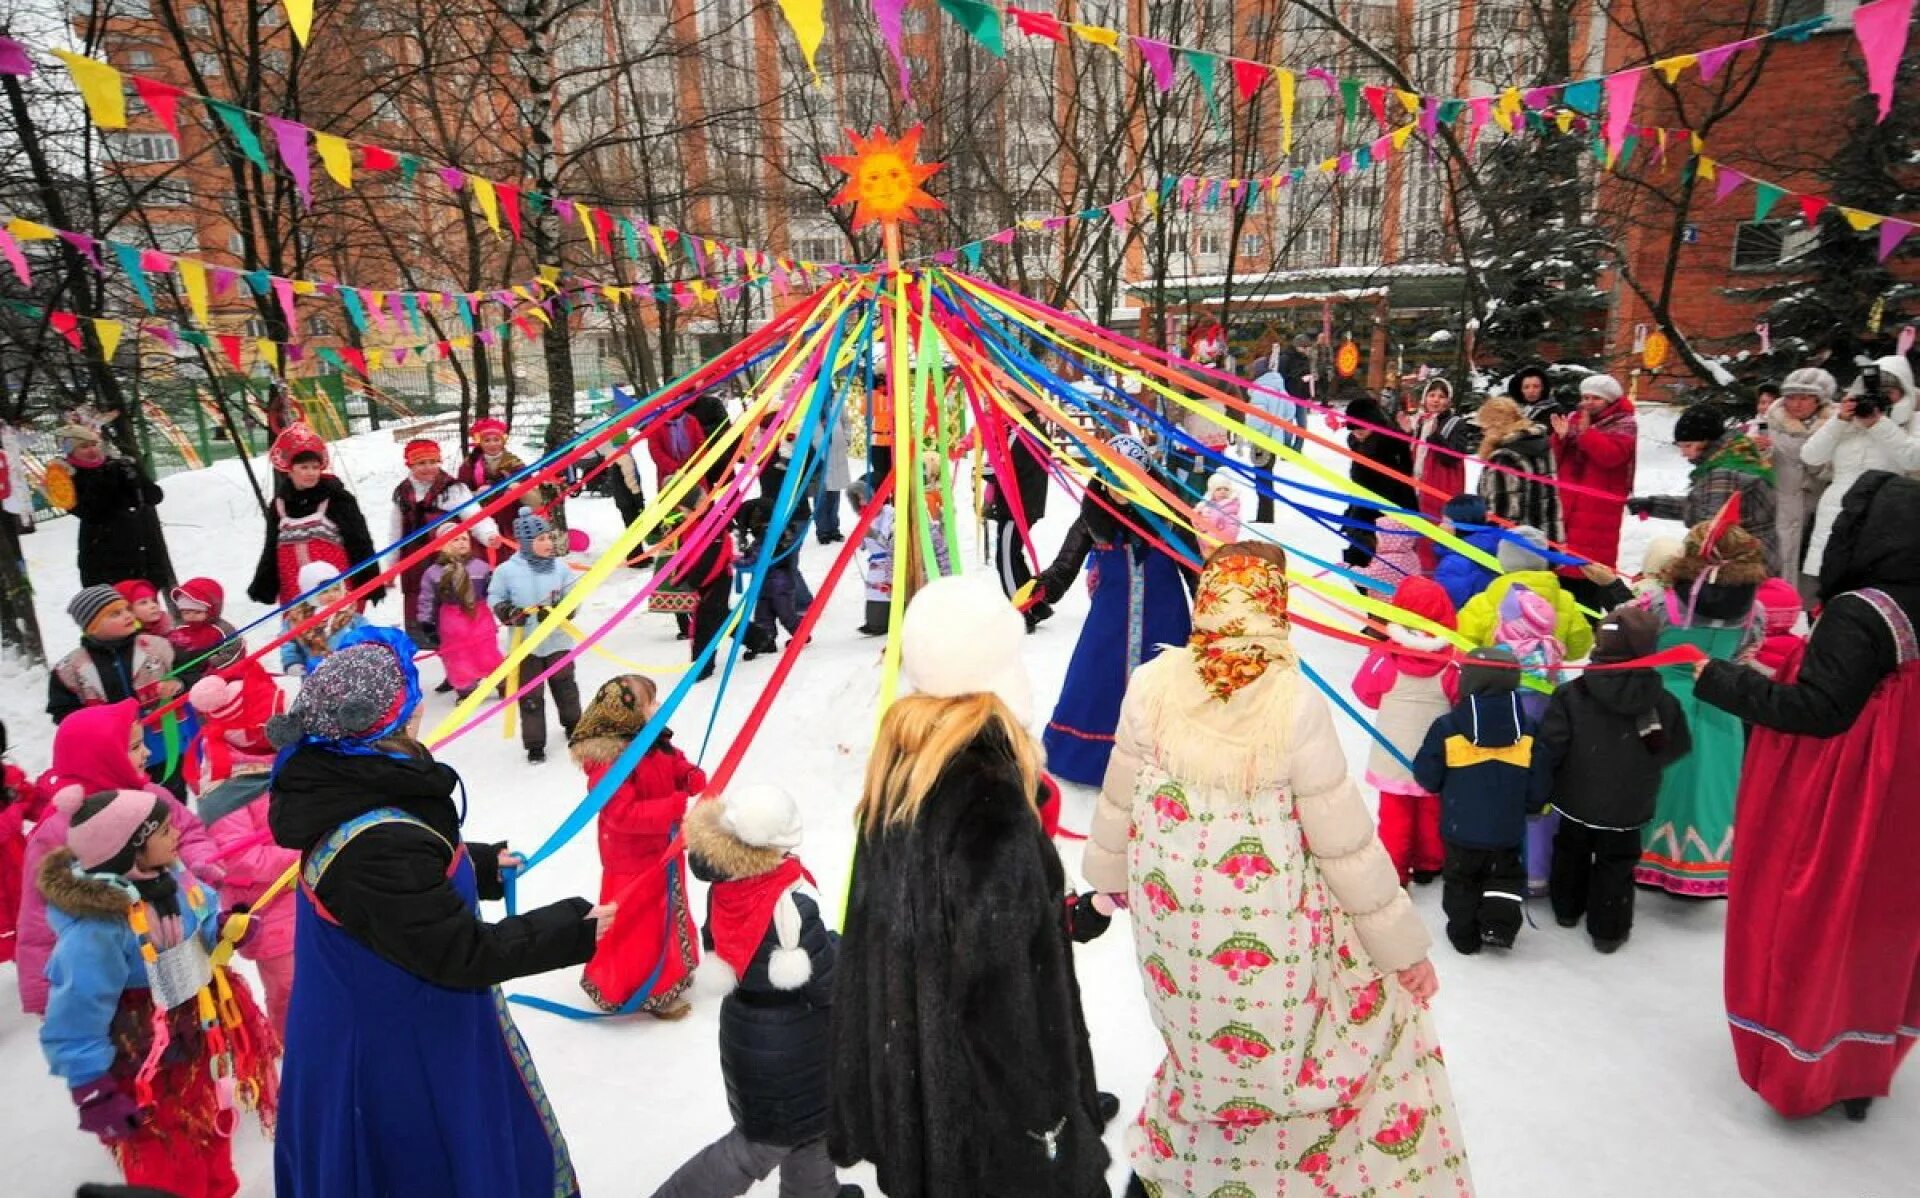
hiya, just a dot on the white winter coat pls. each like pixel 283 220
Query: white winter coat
pixel 1797 486
pixel 1850 451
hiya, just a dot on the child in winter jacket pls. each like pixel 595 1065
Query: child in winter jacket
pixel 784 595
pixel 1217 517
pixel 878 547
pixel 1523 563
pixel 1606 737
pixel 1778 604
pixel 645 961
pixel 132 970
pixel 306 649
pixel 763 920
pixel 1396 557
pixel 1478 758
pixel 1527 629
pixel 115 660
pixel 453 612
pixel 21 803
pixel 524 591
pixel 144 598
pixel 200 630
pixel 100 748
pixel 1410 691
pixel 1461 576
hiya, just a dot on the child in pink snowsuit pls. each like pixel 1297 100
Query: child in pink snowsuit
pixel 1396 558
pixel 1410 691
pixel 1527 626
pixel 453 607
pixel 1217 517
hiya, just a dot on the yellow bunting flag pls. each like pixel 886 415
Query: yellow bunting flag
pixel 550 277
pixel 1283 87
pixel 1094 34
pixel 586 226
pixel 376 358
pixel 1708 168
pixel 1508 109
pixel 193 276
pixel 299 18
pixel 659 241
pixel 1671 67
pixel 304 287
pixel 809 23
pixel 27 230
pixel 100 87
pixel 1401 136
pixel 489 201
pixel 1860 221
pixel 107 332
pixel 1410 101
pixel 1564 119
pixel 336 155
pixel 540 314
pixel 269 353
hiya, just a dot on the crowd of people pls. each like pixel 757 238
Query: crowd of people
pixel 1544 727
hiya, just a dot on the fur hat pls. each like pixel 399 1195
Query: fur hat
pixel 1661 553
pixel 1779 604
pixel 1700 422
pixel 363 692
pixel 1627 634
pixel 108 828
pixel 316 576
pixel 1522 548
pixel 761 816
pixel 79 434
pixel 1603 385
pixel 487 425
pixel 1810 380
pixel 1466 509
pixel 294 442
pixel 1490 671
pixel 1717 547
pixel 1895 369
pixel 420 449
pixel 202 594
pixel 961 637
pixel 92 603
pixel 1221 480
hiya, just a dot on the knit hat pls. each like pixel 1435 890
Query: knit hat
pixel 1700 422
pixel 1779 605
pixel 528 525
pixel 420 449
pixel 1131 449
pixel 762 816
pixel 1428 599
pixel 200 594
pixel 1627 634
pixel 1812 381
pixel 1603 385
pixel 962 637
pixel 1490 671
pixel 316 576
pixel 91 603
pixel 297 440
pixel 135 589
pixel 489 425
pixel 217 697
pixel 108 828
pixel 362 692
pixel 1466 509
pixel 1522 548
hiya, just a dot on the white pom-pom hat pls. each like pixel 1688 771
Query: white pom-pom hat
pixel 962 637
pixel 761 815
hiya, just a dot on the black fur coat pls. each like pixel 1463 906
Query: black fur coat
pixel 961 1065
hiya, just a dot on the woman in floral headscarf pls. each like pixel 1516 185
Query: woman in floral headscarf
pixel 1232 827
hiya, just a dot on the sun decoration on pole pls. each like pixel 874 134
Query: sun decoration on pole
pixel 883 178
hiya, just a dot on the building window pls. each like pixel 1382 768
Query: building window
pixel 176 239
pixel 167 193
pixel 1207 243
pixel 319 326
pixel 656 105
pixel 256 327
pixel 274 61
pixel 197 17
pixel 817 248
pixel 1769 245
pixel 143 147
pixel 1792 12
pixel 651 8
pixel 208 65
pixel 236 244
pixel 139 60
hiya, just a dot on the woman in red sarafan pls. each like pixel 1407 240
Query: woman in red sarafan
pixel 645 963
pixel 1823 950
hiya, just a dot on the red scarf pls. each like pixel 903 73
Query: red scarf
pixel 739 911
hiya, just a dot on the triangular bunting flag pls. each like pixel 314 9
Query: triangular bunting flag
pixel 163 100
pixel 99 86
pixel 1892 233
pixel 980 20
pixel 1764 197
pixel 193 277
pixel 235 120
pixel 336 156
pixel 107 333
pixel 1247 78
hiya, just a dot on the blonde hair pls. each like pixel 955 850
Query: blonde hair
pixel 1497 417
pixel 919 737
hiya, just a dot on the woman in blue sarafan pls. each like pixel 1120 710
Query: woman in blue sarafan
pixel 404 1073
pixel 1139 606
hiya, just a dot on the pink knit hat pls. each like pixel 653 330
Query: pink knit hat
pixel 218 697
pixel 109 827
pixel 1779 605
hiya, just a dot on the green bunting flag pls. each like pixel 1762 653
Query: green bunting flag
pixel 235 119
pixel 980 20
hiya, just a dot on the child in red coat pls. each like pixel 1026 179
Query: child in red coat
pixel 1777 605
pixel 646 961
pixel 21 803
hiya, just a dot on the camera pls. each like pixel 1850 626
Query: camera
pixel 1873 396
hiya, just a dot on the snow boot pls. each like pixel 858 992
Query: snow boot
pixel 1856 1109
pixel 536 756
pixel 1108 1105
pixel 1608 946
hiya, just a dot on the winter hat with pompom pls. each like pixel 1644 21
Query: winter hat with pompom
pixel 762 815
pixel 1779 605
pixel 1427 599
pixel 962 637
pixel 217 697
pixel 1603 385
pixel 362 692
pixel 108 828
pixel 1522 548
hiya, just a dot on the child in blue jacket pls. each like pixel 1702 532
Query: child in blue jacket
pixel 131 972
pixel 1462 577
pixel 1478 758
pixel 302 652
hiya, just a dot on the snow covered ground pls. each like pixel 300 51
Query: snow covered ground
pixel 1576 1074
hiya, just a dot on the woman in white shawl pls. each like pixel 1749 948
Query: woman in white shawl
pixel 1286 968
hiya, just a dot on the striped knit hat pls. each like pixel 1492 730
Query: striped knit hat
pixel 91 603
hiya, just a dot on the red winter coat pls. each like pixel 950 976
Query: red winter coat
pixel 637 823
pixel 1601 456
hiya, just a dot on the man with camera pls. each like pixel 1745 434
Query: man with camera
pixel 1868 432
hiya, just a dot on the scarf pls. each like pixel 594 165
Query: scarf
pixel 1240 622
pixel 1739 454
pixel 740 909
pixel 618 710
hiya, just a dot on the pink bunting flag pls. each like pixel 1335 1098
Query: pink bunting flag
pixel 86 247
pixel 1479 112
pixel 1189 187
pixel 1712 59
pixel 1892 233
pixel 1159 57
pixel 1537 98
pixel 1429 119
pixel 290 138
pixel 1882 28
pixel 397 307
pixel 1381 148
pixel 10 250
pixel 1004 236
pixel 400 356
pixel 1325 76
pixel 780 284
pixel 14 59
pixel 453 177
pixel 1119 211
pixel 487 337
pixel 1726 182
pixel 283 291
pixel 1344 166
pixel 564 207
pixel 1621 90
pixel 162 334
pixel 155 262
pixel 731 291
pixel 224 281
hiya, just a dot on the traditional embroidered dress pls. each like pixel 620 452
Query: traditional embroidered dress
pixel 303 539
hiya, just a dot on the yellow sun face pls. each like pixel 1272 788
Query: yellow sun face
pixel 883 179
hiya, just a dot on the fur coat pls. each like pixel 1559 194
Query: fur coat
pixel 961 1063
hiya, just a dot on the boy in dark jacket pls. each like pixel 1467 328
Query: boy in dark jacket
pixel 1604 740
pixel 764 922
pixel 1460 576
pixel 784 595
pixel 1478 758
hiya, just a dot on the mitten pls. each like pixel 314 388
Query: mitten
pixel 106 1111
pixel 506 612
pixel 1085 921
pixel 295 670
pixel 1639 505
pixel 695 781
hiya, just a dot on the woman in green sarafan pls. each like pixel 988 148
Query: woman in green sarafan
pixel 1708 603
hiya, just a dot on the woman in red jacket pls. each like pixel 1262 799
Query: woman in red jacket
pixel 646 962
pixel 1596 446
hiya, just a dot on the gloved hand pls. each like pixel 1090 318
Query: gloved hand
pixel 106 1111
pixel 239 926
pixel 1639 505
pixel 695 781
pixel 506 613
pixel 1085 921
